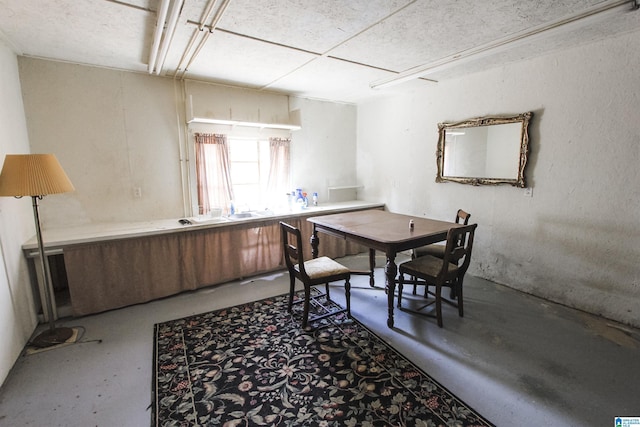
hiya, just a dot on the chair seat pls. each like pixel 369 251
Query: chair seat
pixel 434 250
pixel 323 267
pixel 426 266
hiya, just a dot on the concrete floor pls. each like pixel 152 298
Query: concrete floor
pixel 516 359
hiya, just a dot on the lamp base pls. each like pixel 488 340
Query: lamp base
pixel 52 337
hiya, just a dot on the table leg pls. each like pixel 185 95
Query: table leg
pixel 390 270
pixel 315 242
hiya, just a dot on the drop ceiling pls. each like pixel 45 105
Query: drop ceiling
pixel 331 50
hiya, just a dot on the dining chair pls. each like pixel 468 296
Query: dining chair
pixel 437 249
pixel 313 272
pixel 448 271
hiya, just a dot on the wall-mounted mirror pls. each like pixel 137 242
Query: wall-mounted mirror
pixel 484 150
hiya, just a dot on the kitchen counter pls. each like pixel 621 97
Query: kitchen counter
pixel 58 238
pixel 114 265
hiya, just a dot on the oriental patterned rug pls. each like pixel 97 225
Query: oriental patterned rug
pixel 253 365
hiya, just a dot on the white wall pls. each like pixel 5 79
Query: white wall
pixel 323 152
pixel 113 131
pixel 17 315
pixel 576 240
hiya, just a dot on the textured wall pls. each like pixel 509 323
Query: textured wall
pixel 576 240
pixel 323 152
pixel 17 314
pixel 112 132
pixel 115 131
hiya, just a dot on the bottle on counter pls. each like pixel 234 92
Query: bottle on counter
pixel 315 198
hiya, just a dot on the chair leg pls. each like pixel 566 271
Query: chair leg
pixel 292 288
pixel 326 290
pixel 347 295
pixel 307 298
pixel 372 266
pixel 459 297
pixel 400 286
pixel 439 304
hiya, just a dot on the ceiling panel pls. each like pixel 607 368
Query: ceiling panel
pixel 331 49
pixel 239 60
pixel 311 25
pixel 93 32
pixel 326 78
pixel 430 30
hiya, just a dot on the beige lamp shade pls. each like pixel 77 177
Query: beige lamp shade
pixel 33 175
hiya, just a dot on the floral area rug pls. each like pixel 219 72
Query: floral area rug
pixel 253 365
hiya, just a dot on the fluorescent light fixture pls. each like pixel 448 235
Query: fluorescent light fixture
pixel 157 35
pixel 168 34
pixel 248 124
pixel 163 35
pixel 584 17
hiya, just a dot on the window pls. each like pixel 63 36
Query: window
pixel 251 172
pixel 249 165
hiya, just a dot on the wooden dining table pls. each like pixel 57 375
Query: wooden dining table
pixel 383 231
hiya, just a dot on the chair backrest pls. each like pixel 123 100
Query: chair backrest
pixel 292 247
pixel 462 217
pixel 458 248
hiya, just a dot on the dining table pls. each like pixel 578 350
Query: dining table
pixel 381 230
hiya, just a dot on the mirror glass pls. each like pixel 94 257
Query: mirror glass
pixel 485 150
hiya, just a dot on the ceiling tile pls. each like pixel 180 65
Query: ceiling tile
pixel 87 32
pixel 327 78
pixel 430 30
pixel 238 60
pixel 311 25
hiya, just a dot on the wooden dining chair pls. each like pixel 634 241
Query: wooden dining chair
pixel 437 249
pixel 316 271
pixel 448 271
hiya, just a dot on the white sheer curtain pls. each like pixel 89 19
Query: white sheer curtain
pixel 213 173
pixel 279 170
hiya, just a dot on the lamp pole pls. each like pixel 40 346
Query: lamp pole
pixel 53 335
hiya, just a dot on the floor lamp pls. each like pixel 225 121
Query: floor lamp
pixel 37 175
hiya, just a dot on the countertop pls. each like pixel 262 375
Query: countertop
pixel 58 238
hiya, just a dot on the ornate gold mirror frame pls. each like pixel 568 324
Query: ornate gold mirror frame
pixel 484 151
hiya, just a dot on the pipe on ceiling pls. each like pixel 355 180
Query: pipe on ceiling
pixel 168 34
pixel 201 27
pixel 157 35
